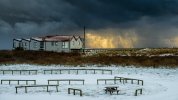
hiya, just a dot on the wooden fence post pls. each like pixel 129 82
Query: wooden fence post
pixel 57 82
pixel 80 92
pixel 25 89
pixel 102 71
pixel 18 82
pixel 34 82
pixel 57 88
pixel 136 91
pixel 47 89
pixel 16 89
pixel 68 90
pixel 26 82
pixel 77 71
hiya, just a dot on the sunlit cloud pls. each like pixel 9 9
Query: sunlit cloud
pixel 172 42
pixel 111 39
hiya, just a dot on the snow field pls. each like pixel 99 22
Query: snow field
pixel 158 84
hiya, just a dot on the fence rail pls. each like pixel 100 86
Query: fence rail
pixel 105 80
pixel 103 71
pixel 138 90
pixel 20 71
pixel 18 81
pixel 26 86
pixel 69 80
pixel 124 80
pixel 74 91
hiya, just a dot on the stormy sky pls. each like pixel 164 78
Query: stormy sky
pixel 152 23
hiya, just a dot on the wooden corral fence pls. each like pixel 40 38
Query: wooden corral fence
pixel 132 80
pixel 138 90
pixel 27 86
pixel 18 81
pixel 19 71
pixel 105 80
pixel 121 79
pixel 103 71
pixel 74 91
pixel 69 80
pixel 126 79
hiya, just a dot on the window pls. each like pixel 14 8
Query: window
pixel 20 45
pixel 56 43
pixel 52 43
pixel 41 44
pixel 65 45
pixel 73 42
pixel 35 44
pixel 78 42
pixel 25 44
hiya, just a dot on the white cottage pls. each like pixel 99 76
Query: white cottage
pixel 55 43
pixel 17 43
pixel 36 44
pixel 25 44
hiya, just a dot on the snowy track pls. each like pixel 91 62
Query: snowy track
pixel 159 84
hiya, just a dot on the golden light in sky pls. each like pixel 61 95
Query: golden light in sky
pixel 111 40
pixel 172 42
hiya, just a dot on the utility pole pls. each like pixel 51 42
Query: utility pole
pixel 84 38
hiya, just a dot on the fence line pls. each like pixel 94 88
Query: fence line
pixel 105 80
pixel 20 71
pixel 138 90
pixel 74 91
pixel 126 79
pixel 18 81
pixel 103 71
pixel 69 80
pixel 47 86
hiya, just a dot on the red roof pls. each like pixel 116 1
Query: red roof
pixel 55 38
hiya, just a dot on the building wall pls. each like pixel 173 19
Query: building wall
pixel 66 46
pixel 16 44
pixel 76 44
pixel 34 45
pixel 25 44
pixel 56 47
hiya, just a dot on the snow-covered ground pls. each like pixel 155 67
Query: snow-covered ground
pixel 159 84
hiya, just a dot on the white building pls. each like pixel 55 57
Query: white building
pixel 17 43
pixel 55 43
pixel 25 44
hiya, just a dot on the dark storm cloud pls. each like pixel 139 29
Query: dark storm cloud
pixel 151 19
